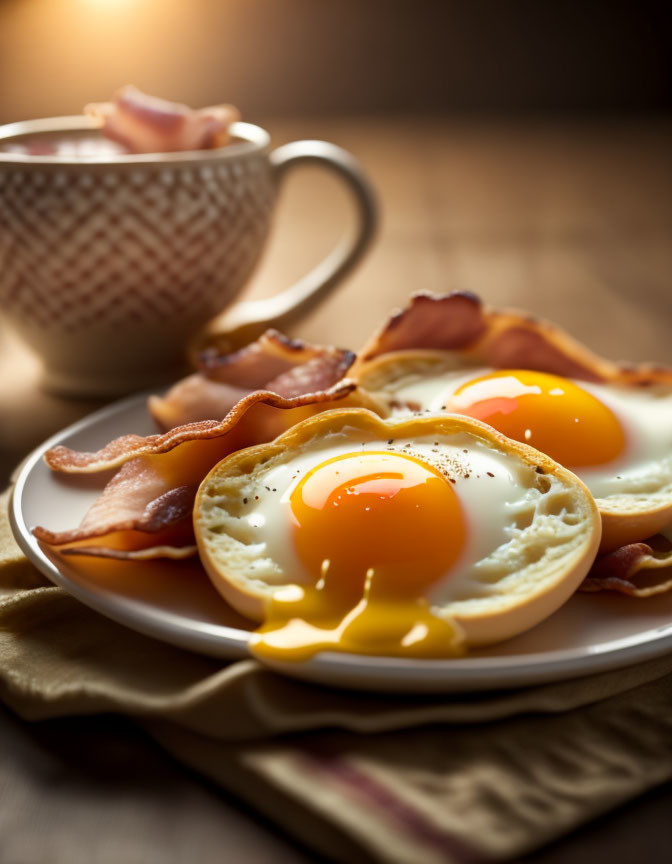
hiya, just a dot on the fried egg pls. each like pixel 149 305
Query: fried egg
pixel 616 438
pixel 415 537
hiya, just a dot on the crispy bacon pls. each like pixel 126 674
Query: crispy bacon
pixel 502 338
pixel 284 366
pixel 141 495
pixel 176 553
pixel 270 356
pixel 134 500
pixel 638 569
pixel 145 124
pixel 444 322
pixel 145 509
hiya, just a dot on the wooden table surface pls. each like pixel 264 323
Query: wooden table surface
pixel 570 220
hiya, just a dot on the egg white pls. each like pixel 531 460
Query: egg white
pixel 644 467
pixel 508 514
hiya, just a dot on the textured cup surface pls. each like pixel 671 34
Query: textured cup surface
pixel 109 264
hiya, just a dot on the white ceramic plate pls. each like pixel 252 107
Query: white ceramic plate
pixel 174 601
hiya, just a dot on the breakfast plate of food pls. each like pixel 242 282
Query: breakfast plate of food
pixel 475 501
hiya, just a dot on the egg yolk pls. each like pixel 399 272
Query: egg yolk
pixel 548 412
pixel 374 530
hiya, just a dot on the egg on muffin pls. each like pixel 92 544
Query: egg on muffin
pixel 414 537
pixel 610 424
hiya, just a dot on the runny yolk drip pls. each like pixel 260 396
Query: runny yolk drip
pixel 374 530
pixel 548 412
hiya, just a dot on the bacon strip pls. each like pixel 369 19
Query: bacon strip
pixel 444 322
pixel 145 124
pixel 502 338
pixel 176 553
pixel 269 357
pixel 145 509
pixel 134 500
pixel 142 495
pixel 638 569
pixel 284 366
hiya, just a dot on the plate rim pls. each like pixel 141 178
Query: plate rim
pixel 213 639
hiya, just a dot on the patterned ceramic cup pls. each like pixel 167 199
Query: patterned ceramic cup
pixel 110 263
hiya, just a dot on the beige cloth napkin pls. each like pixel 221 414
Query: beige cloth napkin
pixel 464 779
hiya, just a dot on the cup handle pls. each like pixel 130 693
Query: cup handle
pixel 248 320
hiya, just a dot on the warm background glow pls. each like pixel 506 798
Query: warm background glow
pixel 297 57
